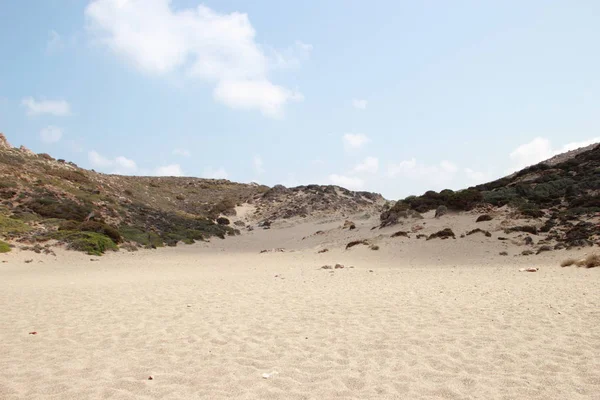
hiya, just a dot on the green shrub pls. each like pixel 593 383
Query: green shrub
pixel 51 207
pixel 100 227
pixel 4 247
pixel 134 234
pixel 89 242
pixel 155 241
pixel 12 225
pixel 69 226
pixel 92 226
pixel 92 243
pixel 531 210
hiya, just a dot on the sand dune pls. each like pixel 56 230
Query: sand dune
pixel 420 320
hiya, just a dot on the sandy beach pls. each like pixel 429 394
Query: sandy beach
pixel 415 320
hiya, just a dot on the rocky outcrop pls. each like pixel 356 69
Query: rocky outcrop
pixel 26 151
pixel 4 143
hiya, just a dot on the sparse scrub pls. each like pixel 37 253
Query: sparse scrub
pixel 591 261
pixel 356 242
pixel 400 233
pixel 4 247
pixel 12 226
pixel 568 262
pixel 51 207
pixel 484 217
pixel 443 234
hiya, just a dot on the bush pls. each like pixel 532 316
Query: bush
pixel 12 226
pixel 223 221
pixel 484 217
pixel 134 234
pixel 568 262
pixel 531 210
pixel 92 243
pixel 155 241
pixel 525 228
pixel 100 227
pixel 89 242
pixel 356 242
pixel 51 207
pixel 69 226
pixel 69 175
pixel 591 261
pixel 443 234
pixel 4 247
pixel 440 211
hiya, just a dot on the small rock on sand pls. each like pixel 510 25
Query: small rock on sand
pixel 529 269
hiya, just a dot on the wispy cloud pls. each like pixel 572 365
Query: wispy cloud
pixel 355 140
pixel 435 174
pixel 169 170
pixel 119 165
pixel 211 173
pixel 348 182
pixel 51 134
pixel 58 108
pixel 258 164
pixel 359 104
pixel 181 152
pixel 55 42
pixel 370 165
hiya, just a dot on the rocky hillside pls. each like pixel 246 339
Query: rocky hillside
pixel 561 196
pixel 44 200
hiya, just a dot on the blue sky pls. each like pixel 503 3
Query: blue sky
pixel 395 97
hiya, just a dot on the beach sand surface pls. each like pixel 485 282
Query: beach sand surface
pixel 417 319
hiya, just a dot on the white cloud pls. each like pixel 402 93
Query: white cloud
pixel 437 174
pixel 475 176
pixel 355 140
pixel 359 104
pixel 370 165
pixel 255 94
pixel 169 170
pixel 98 160
pixel 181 152
pixel 219 173
pixel 292 57
pixel 51 134
pixel 204 44
pixel 541 149
pixel 347 182
pixel 120 165
pixel 258 165
pixel 125 163
pixel 577 145
pixel 59 108
pixel 55 42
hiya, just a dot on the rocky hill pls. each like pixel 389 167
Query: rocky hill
pixel 44 201
pixel 560 196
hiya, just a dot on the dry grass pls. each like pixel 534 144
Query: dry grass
pixel 591 261
pixel 568 262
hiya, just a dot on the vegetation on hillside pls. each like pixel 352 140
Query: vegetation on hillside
pixel 559 191
pixel 47 200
